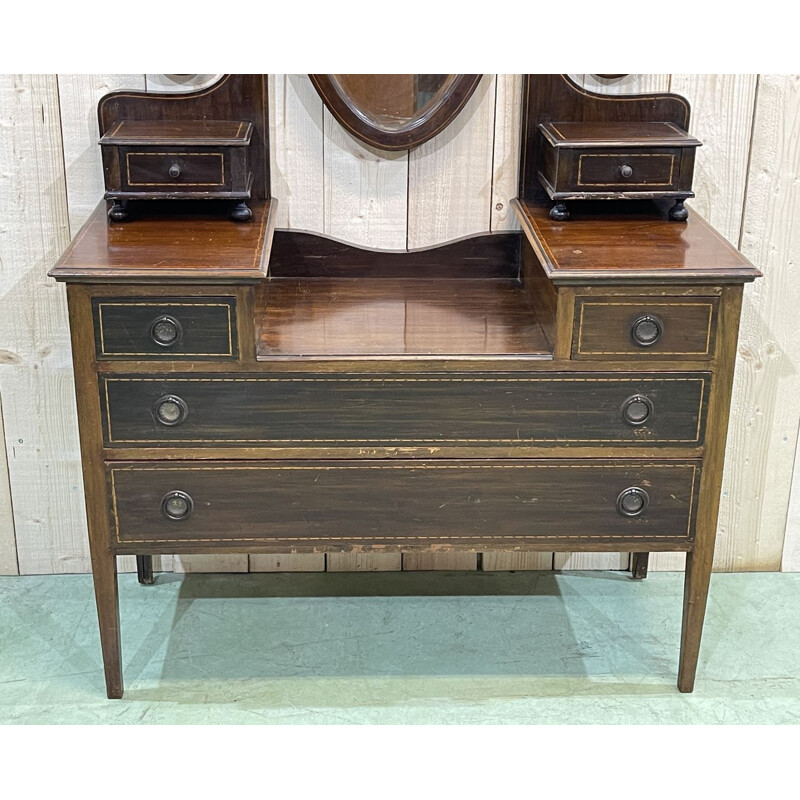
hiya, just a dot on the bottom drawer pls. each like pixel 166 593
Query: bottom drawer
pixel 364 504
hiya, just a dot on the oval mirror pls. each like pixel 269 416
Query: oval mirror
pixel 395 112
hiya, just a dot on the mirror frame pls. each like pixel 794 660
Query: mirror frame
pixel 420 130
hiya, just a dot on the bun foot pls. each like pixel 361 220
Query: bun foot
pixel 559 212
pixel 679 212
pixel 119 211
pixel 241 213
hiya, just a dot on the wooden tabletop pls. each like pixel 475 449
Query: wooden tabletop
pixel 618 134
pixel 171 241
pixel 206 133
pixel 630 241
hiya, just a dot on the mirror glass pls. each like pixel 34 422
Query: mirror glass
pixel 393 102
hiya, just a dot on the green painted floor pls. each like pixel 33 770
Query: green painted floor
pixel 401 648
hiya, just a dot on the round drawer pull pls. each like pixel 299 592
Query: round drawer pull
pixel 632 502
pixel 647 330
pixel 175 170
pixel 626 170
pixel 637 410
pixel 166 331
pixel 170 410
pixel 176 505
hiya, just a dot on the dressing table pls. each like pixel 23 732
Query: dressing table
pixel 246 389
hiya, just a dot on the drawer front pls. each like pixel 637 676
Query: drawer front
pixel 614 170
pixel 477 503
pixel 174 168
pixel 425 411
pixel 645 327
pixel 166 328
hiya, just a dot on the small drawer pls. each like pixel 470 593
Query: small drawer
pixel 176 168
pixel 166 328
pixel 460 410
pixel 481 504
pixel 614 170
pixel 645 327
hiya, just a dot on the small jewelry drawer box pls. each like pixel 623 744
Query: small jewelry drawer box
pixel 184 160
pixel 616 161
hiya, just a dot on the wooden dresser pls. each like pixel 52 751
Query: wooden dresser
pixel 242 389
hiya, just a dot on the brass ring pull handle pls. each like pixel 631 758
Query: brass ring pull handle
pixel 175 170
pixel 632 502
pixel 170 410
pixel 176 505
pixel 647 330
pixel 166 331
pixel 626 170
pixel 637 410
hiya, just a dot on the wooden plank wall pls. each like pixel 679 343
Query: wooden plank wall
pixel 748 185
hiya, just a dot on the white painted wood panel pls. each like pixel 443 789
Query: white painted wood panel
pixel 576 561
pixel 36 381
pixel 365 190
pixel 450 176
pixel 504 561
pixel 297 152
pixel 8 544
pixel 416 561
pixel 506 152
pixel 298 562
pixel 78 97
pixel 790 561
pixel 364 562
pixel 211 563
pixel 766 398
pixel 722 118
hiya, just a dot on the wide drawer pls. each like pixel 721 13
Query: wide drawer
pixel 409 410
pixel 377 503
pixel 178 169
pixel 168 328
pixel 646 327
pixel 619 170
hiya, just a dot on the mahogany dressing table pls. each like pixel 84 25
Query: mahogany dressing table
pixel 241 389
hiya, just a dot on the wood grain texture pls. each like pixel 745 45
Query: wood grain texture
pixel 496 560
pixel 365 190
pixel 364 562
pixel 791 544
pixel 293 562
pixel 450 176
pixel 297 150
pixel 417 561
pixel 78 96
pixel 766 396
pixel 211 563
pixel 8 543
pixel 505 156
pixel 581 561
pixel 722 118
pixel 37 381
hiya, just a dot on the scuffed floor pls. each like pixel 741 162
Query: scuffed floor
pixel 401 648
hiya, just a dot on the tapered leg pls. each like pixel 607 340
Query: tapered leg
pixel 104 570
pixel 144 569
pixel 639 564
pixel 695 594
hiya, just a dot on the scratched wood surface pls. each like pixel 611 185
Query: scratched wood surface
pixel 457 184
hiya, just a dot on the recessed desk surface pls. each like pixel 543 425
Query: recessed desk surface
pixel 395 317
